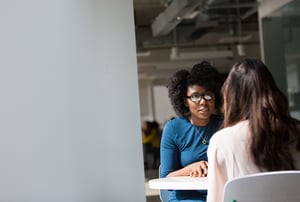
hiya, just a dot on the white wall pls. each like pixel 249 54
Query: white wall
pixel 154 102
pixel 69 109
pixel 146 100
pixel 163 108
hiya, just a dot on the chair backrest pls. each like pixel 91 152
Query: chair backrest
pixel 283 186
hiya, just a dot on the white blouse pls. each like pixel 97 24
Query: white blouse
pixel 229 157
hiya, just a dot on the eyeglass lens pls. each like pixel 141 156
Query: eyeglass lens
pixel 198 97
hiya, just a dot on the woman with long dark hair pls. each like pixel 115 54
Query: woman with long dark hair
pixel 259 133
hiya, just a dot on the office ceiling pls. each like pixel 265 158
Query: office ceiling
pixel 175 34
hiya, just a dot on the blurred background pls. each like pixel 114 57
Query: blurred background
pixel 175 34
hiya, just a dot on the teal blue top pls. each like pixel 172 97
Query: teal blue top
pixel 182 144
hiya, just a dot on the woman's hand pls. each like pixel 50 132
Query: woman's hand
pixel 198 169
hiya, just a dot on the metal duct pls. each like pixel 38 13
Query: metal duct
pixel 179 9
pixel 173 15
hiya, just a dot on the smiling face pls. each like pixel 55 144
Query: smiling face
pixel 201 110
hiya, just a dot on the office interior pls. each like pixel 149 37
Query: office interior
pixel 265 29
pixel 271 37
pixel 74 93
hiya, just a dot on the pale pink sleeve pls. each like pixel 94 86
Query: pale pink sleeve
pixel 217 170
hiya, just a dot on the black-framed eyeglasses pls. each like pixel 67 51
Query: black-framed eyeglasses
pixel 197 96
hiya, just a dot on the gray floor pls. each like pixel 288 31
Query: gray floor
pixel 153 199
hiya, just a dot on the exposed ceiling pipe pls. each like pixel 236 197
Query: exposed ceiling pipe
pixel 176 11
pixel 240 5
pixel 249 13
pixel 174 14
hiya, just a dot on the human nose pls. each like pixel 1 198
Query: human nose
pixel 202 100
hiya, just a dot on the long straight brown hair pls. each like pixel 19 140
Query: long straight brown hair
pixel 250 93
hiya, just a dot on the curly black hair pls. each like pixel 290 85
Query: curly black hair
pixel 202 74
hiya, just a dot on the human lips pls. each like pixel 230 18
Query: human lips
pixel 203 109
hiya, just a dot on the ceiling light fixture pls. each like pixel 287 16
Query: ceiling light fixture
pixel 175 54
pixel 143 54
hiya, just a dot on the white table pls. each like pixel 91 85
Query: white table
pixel 179 183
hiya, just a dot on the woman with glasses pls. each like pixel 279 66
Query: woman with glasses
pixel 259 134
pixel 195 97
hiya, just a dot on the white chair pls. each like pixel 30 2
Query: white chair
pixel 277 186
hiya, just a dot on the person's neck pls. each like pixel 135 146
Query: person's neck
pixel 199 122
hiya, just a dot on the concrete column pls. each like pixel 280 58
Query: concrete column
pixel 69 110
pixel 274 50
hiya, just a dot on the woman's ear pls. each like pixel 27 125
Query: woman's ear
pixel 185 102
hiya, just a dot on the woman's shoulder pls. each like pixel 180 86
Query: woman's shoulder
pixel 177 124
pixel 238 130
pixel 240 126
pixel 177 121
